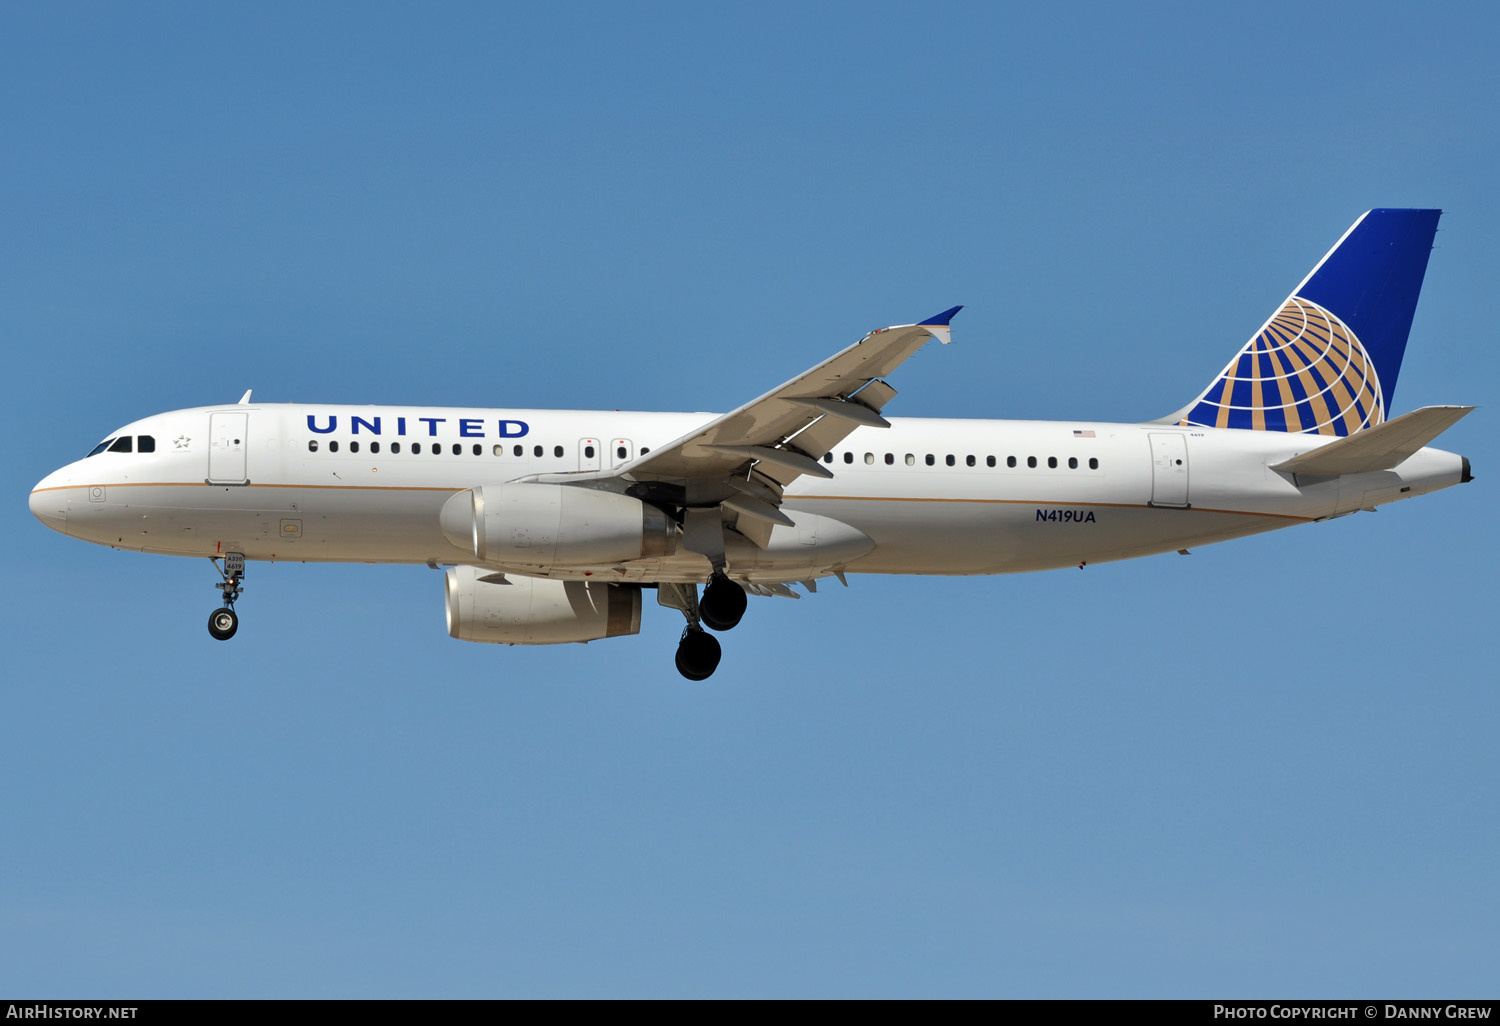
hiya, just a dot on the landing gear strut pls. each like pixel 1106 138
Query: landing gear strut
pixel 222 623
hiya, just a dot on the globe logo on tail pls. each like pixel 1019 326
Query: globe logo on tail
pixel 1305 371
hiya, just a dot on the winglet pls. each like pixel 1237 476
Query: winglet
pixel 245 399
pixel 944 318
pixel 939 325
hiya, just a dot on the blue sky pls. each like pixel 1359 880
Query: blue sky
pixel 1265 770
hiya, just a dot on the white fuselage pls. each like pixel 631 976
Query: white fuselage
pixel 935 496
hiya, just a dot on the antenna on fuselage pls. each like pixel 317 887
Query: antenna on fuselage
pixel 245 399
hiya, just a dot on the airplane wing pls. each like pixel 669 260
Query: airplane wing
pixel 787 430
pixel 744 460
pixel 740 464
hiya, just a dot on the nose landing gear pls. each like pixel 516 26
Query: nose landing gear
pixel 222 623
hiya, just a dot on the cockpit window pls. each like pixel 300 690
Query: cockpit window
pixel 122 444
pixel 96 450
pixel 145 443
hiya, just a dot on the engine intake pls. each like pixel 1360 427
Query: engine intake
pixel 555 525
pixel 515 610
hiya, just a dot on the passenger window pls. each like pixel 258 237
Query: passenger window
pixel 145 443
pixel 848 457
pixel 1072 462
pixel 1031 462
pixel 619 452
pixel 312 445
pixel 911 460
pixel 1010 461
pixel 354 447
pixel 644 450
pixel 869 458
pixel 989 461
pixel 518 451
pixel 375 447
pixel 1093 463
pixel 890 459
pixel 333 447
pixel 396 447
pixel 1052 462
pixel 931 459
pixel 949 459
pixel 557 451
pixel 122 444
pixel 498 450
pixel 588 452
pixel 437 450
pixel 536 451
pixel 96 450
pixel 828 457
pixel 969 460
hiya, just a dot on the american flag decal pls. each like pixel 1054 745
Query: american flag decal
pixel 1083 434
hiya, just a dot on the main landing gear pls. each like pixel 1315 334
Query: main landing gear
pixel 721 608
pixel 222 623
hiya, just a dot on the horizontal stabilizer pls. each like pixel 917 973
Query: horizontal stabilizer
pixel 1377 448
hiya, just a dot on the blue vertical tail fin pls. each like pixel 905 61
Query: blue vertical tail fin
pixel 1327 360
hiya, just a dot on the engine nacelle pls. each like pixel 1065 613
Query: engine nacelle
pixel 555 525
pixel 515 610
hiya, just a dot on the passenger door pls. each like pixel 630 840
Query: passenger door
pixel 1169 469
pixel 228 448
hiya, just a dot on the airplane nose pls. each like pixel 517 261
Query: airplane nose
pixel 49 506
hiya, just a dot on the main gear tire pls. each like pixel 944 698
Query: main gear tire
pixel 698 654
pixel 723 603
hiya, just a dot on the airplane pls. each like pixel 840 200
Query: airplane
pixel 551 525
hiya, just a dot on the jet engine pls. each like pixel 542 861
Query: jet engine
pixel 555 525
pixel 515 610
